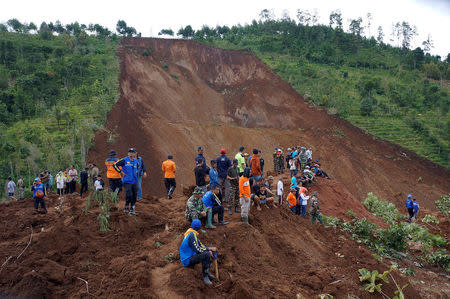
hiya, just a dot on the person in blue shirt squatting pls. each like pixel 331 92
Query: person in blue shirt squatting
pixel 193 252
pixel 39 192
pixel 128 168
pixel 410 207
pixel 213 206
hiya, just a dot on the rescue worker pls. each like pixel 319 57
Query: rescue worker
pixel 292 201
pixel 255 164
pixel 416 208
pixel 213 206
pixel 39 193
pixel 241 160
pixel 303 158
pixel 315 210
pixel 245 194
pixel 195 208
pixel 410 207
pixel 201 157
pixel 213 175
pixel 141 173
pixel 193 252
pixel 169 168
pixel 128 168
pixel 223 163
pixel 232 187
pixel 115 180
pixel 21 186
pixel 200 176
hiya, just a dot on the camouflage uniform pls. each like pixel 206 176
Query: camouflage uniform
pixel 281 162
pixel 303 159
pixel 194 207
pixel 315 211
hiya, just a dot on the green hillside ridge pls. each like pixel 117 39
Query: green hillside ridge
pixel 55 91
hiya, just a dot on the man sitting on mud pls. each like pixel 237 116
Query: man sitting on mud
pixel 195 208
pixel 193 252
pixel 261 196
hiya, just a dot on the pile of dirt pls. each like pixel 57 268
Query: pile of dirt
pixel 185 94
pixel 278 255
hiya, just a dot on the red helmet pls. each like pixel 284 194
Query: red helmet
pixel 223 151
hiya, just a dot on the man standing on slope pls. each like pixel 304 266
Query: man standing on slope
pixel 200 176
pixel 410 207
pixel 128 168
pixel 255 164
pixel 223 163
pixel 241 160
pixel 193 252
pixel 115 180
pixel 315 210
pixel 201 157
pixel 232 187
pixel 142 172
pixel 213 203
pixel 245 194
pixel 169 168
pixel 84 176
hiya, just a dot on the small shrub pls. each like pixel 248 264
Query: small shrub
pixel 145 53
pixel 175 76
pixel 395 236
pixel 331 221
pixel 164 65
pixel 351 213
pixel 383 209
pixel 443 204
pixel 439 257
pixel 430 219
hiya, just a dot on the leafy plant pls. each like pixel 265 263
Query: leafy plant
pixel 443 204
pixel 351 213
pixel 439 257
pixel 383 209
pixel 430 219
pixel 331 221
pixel 374 282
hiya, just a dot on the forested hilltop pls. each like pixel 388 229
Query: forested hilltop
pixel 395 93
pixel 58 82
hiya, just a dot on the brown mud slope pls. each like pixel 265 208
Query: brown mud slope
pixel 277 256
pixel 186 94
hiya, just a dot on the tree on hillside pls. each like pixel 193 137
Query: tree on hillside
pixel 125 30
pixel 45 32
pixel 427 44
pixel 407 32
pixel 186 32
pixel 3 28
pixel 59 28
pixel 380 35
pixel 266 15
pixel 355 26
pixel 336 19
pixel 15 25
pixel 369 22
pixel 307 18
pixel 32 26
pixel 166 32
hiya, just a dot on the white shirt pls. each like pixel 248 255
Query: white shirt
pixel 292 164
pixel 309 154
pixel 98 185
pixel 304 199
pixel 280 187
pixel 11 186
pixel 59 181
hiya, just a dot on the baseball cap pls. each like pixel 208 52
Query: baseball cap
pixel 37 180
pixel 169 157
pixel 200 148
pixel 132 150
pixel 409 195
pixel 235 161
pixel 196 224
pixel 112 153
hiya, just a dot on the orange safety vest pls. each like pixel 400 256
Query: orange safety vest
pixel 292 200
pixel 111 173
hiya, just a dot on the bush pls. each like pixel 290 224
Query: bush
pixel 439 257
pixel 443 204
pixel 383 209
pixel 395 236
pixel 430 219
pixel 366 107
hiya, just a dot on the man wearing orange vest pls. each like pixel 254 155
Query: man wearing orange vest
pixel 115 180
pixel 293 202
pixel 245 194
pixel 169 168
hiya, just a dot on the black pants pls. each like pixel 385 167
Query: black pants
pixel 115 184
pixel 203 258
pixel 40 201
pixel 84 188
pixel 411 214
pixel 219 211
pixel 130 194
pixel 73 185
pixel 171 184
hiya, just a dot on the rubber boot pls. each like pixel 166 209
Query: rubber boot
pixel 237 210
pixel 209 219
pixel 245 220
pixel 210 274
pixel 206 280
pixel 230 211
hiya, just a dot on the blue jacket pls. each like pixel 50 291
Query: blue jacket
pixel 409 203
pixel 416 206
pixel 141 167
pixel 201 157
pixel 249 159
pixel 37 187
pixel 213 178
pixel 223 163
pixel 190 246
pixel 129 168
pixel 293 182
pixel 210 200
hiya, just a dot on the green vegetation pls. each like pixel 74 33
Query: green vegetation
pixel 383 209
pixel 104 199
pixel 430 219
pixel 57 85
pixel 443 204
pixel 395 93
pixel 374 280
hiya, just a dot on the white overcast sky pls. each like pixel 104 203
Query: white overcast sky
pixel 149 17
